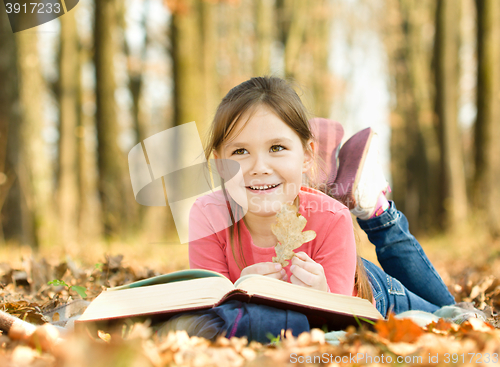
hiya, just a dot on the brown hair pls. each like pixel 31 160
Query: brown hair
pixel 279 97
pixel 361 282
pixel 272 92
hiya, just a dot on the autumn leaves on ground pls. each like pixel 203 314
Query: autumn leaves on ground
pixel 472 273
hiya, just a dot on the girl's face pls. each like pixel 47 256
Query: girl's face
pixel 272 160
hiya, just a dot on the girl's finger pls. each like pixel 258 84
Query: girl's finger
pixel 277 275
pixel 310 266
pixel 267 268
pixel 297 281
pixel 303 275
pixel 314 268
pixel 304 257
pixel 298 261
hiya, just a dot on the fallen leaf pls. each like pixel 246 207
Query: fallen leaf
pixel 104 336
pixel 398 330
pixel 288 230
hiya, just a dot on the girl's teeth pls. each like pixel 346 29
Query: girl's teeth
pixel 265 187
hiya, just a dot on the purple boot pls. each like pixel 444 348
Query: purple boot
pixel 329 135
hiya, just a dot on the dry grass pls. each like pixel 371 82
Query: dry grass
pixel 165 256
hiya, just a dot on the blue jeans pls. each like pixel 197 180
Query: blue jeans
pixel 410 281
pixel 235 318
pixel 399 253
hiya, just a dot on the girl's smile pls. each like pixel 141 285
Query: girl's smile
pixel 272 159
pixel 263 189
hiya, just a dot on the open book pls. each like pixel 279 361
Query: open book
pixel 161 297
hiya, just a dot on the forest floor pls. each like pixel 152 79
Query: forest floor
pixel 468 261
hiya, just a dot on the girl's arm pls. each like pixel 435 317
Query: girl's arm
pixel 337 253
pixel 332 265
pixel 207 247
pixel 206 252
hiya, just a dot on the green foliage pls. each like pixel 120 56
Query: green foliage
pixel 371 322
pixel 362 319
pixel 57 283
pixel 78 289
pixel 274 340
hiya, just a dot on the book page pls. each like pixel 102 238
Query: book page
pixel 159 298
pixel 280 290
pixel 244 278
pixel 176 276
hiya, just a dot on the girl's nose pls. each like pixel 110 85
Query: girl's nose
pixel 260 165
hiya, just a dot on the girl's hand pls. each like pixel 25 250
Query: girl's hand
pixel 307 272
pixel 267 269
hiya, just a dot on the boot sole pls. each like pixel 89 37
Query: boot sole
pixel 352 157
pixel 329 136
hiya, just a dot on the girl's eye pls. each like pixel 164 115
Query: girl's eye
pixel 239 151
pixel 277 148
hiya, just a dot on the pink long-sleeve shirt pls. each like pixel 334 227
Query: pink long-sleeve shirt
pixel 334 246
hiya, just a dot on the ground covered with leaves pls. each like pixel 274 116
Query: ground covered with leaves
pixel 26 293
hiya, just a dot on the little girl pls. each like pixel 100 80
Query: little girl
pixel 263 125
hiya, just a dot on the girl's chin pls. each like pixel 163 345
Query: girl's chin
pixel 267 210
pixel 263 214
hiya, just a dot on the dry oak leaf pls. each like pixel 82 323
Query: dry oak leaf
pixel 288 230
pixel 442 327
pixel 398 330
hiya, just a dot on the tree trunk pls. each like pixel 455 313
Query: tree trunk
pixel 453 203
pixel 422 159
pixel 90 212
pixel 34 170
pixel 486 190
pixel 187 64
pixel 209 69
pixel 304 28
pixel 67 197
pixel 111 161
pixel 294 23
pixel 414 150
pixel 264 34
pixel 135 68
pixel 10 217
pixel 318 45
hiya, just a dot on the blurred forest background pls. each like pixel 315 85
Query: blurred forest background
pixel 77 95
